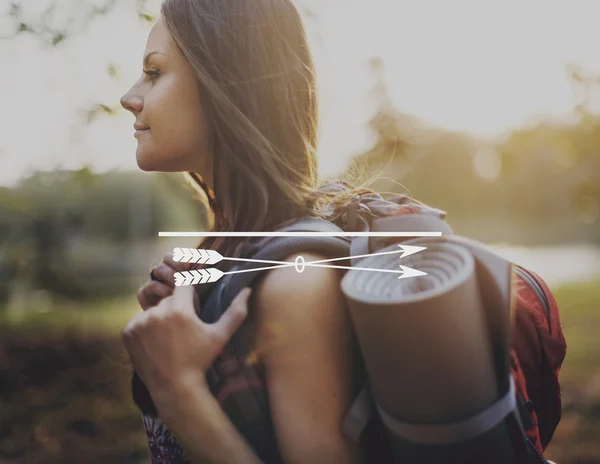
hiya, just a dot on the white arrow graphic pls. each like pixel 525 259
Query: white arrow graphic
pixel 211 274
pixel 410 250
pixel 208 275
pixel 196 255
pixel 410 272
pixel 198 276
pixel 405 272
pixel 201 256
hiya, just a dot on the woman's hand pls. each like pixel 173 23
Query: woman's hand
pixel 163 284
pixel 171 348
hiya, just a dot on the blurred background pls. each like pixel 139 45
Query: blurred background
pixel 488 111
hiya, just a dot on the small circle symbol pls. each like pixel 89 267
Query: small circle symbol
pixel 299 263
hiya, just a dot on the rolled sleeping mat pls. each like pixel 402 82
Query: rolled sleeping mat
pixel 436 348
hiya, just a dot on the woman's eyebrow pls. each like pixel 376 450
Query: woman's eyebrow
pixel 147 57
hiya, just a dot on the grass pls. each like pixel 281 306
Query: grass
pixel 580 317
pixel 576 437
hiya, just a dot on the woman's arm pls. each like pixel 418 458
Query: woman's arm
pixel 171 348
pixel 304 340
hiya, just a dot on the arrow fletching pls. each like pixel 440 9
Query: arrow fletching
pixel 197 276
pixel 196 255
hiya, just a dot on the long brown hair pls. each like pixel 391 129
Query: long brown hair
pixel 257 83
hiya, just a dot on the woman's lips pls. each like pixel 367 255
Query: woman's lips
pixel 140 131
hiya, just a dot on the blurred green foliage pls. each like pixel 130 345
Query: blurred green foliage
pixel 576 438
pixel 83 235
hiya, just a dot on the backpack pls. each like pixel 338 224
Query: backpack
pixel 528 352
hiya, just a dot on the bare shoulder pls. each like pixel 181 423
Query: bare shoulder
pixel 299 300
pixel 309 276
pixel 312 282
pixel 304 344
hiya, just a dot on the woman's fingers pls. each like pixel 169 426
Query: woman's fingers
pixel 175 265
pixel 165 271
pixel 165 274
pixel 152 292
pixel 184 298
pixel 232 319
pixel 163 284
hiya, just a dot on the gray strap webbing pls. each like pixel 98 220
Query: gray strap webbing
pixel 359 415
pixel 411 223
pixel 402 223
pixel 360 245
pixel 447 434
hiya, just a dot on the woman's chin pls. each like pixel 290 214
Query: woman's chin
pixel 157 161
pixel 144 162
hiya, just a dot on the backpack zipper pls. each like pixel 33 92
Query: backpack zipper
pixel 536 288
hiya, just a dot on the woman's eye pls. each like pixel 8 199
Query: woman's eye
pixel 153 73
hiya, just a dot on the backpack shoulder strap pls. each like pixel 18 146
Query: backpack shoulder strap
pixel 277 248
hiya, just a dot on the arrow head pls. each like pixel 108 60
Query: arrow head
pixel 215 274
pixel 214 257
pixel 408 250
pixel 410 272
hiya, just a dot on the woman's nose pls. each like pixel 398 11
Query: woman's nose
pixel 132 101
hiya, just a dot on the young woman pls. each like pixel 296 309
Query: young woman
pixel 227 96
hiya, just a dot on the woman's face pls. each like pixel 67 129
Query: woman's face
pixel 171 128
